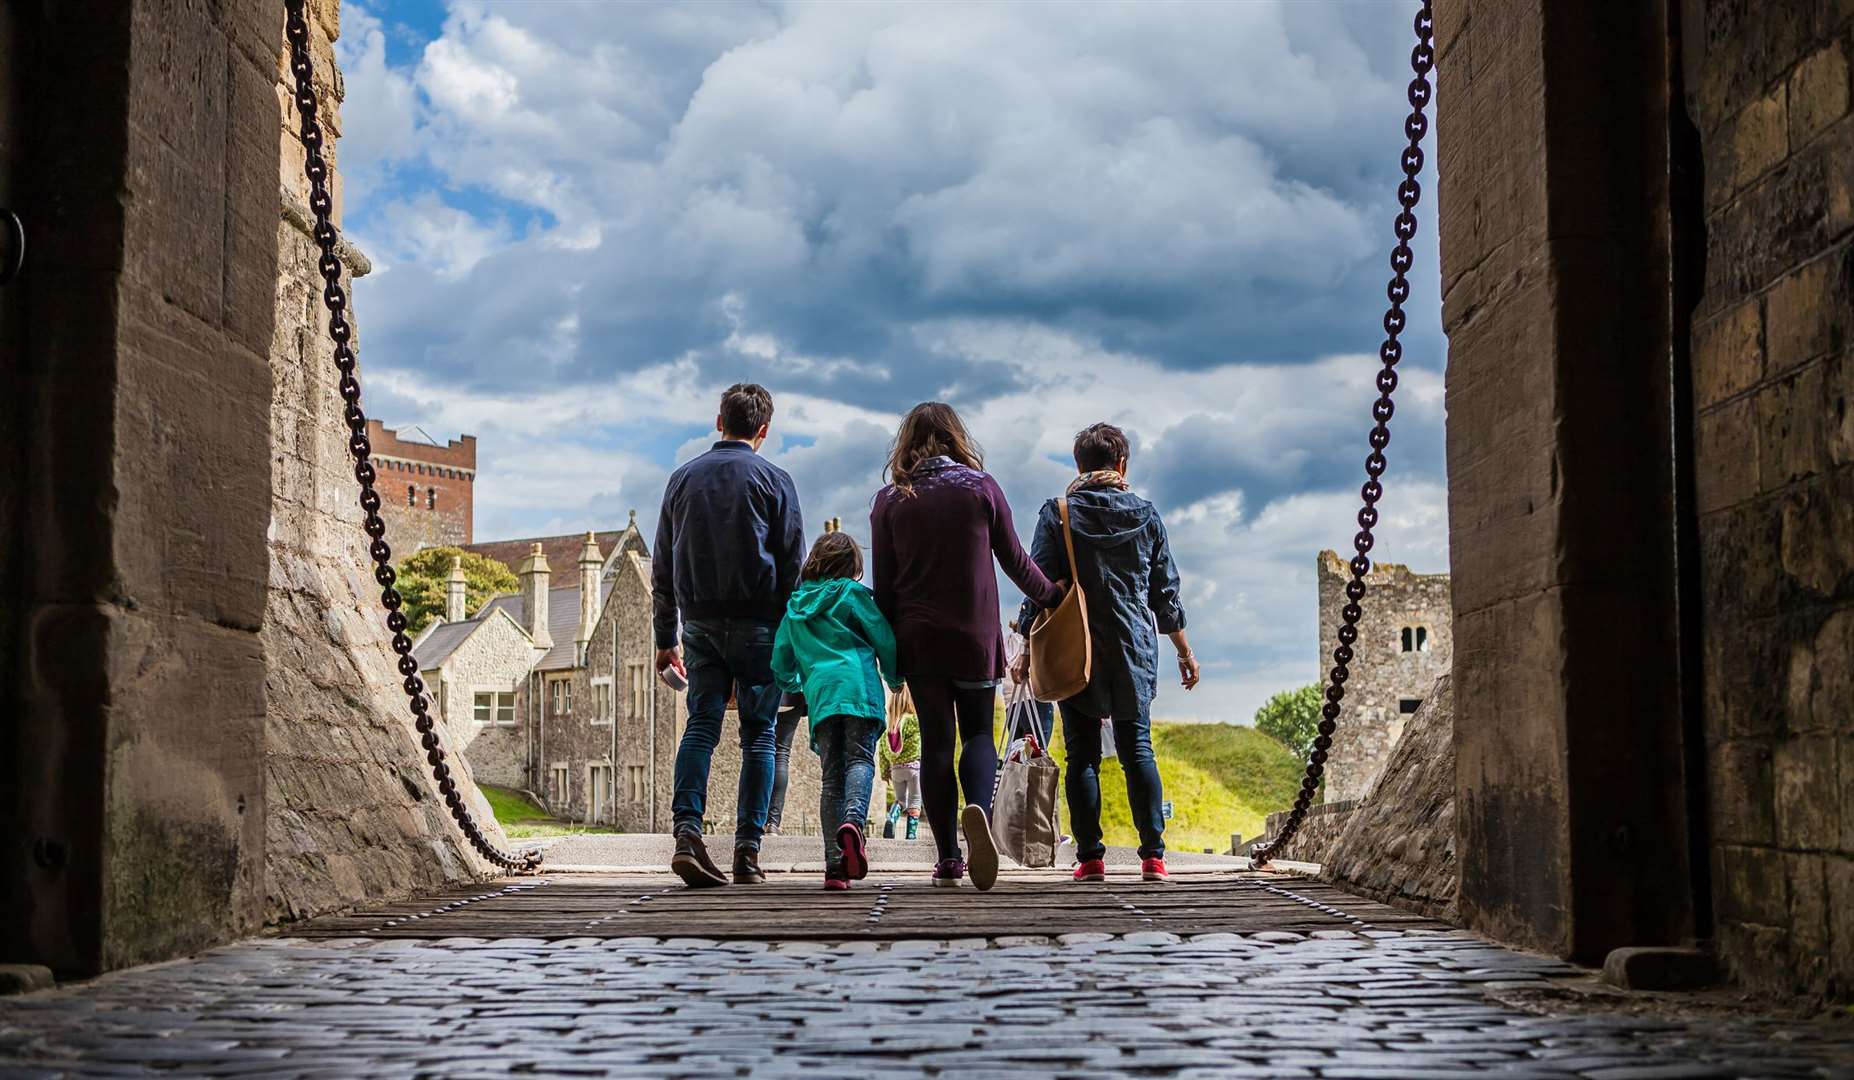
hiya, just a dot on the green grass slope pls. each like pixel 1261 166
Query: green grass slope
pixel 522 819
pixel 1220 778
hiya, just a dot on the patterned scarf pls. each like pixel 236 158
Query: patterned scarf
pixel 1099 478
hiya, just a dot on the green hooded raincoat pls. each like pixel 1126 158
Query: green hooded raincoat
pixel 835 647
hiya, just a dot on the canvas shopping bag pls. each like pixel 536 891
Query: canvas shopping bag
pixel 1023 808
pixel 1061 653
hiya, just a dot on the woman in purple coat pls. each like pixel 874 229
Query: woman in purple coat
pixel 933 533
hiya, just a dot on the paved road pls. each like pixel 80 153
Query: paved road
pixel 1433 1005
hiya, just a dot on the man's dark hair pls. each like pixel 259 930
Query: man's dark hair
pixel 745 409
pixel 835 555
pixel 1101 446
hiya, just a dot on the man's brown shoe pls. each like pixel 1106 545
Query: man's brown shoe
pixel 692 864
pixel 747 867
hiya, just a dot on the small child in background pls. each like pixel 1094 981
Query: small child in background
pixel 903 767
pixel 835 647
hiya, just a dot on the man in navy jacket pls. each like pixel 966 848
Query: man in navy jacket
pixel 729 545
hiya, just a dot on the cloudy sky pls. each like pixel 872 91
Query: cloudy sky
pixel 586 219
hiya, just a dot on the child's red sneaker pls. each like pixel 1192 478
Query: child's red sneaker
pixel 836 884
pixel 1091 870
pixel 855 858
pixel 1153 870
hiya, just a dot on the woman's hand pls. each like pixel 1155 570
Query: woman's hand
pixel 1020 667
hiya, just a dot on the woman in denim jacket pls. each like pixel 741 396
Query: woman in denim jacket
pixel 1124 567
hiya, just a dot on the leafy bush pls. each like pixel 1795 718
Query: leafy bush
pixel 425 576
pixel 1293 718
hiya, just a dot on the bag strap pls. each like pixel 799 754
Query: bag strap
pixel 1068 538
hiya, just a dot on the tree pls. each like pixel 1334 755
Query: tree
pixel 424 579
pixel 1292 718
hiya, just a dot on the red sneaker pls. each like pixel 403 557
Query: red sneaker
pixel 855 858
pixel 836 884
pixel 1091 870
pixel 1153 870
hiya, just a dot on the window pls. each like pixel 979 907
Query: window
pixel 598 792
pixel 1408 705
pixel 601 700
pixel 1416 639
pixel 431 498
pixel 411 494
pixel 495 707
pixel 560 696
pixel 636 773
pixel 640 690
pixel 559 787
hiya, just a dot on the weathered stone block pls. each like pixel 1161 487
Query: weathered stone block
pixel 1759 138
pixel 1741 571
pixel 1662 968
pixel 1728 353
pixel 1726 438
pixel 1751 885
pixel 1818 518
pixel 1791 429
pixel 1838 873
pixel 1744 801
pixel 1818 92
pixel 1802 321
pixel 1807 794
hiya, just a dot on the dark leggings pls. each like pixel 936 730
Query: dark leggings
pixel 944 709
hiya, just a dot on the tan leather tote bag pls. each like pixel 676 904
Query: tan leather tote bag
pixel 1061 652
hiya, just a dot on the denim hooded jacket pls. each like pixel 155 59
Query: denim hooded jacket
pixel 1124 566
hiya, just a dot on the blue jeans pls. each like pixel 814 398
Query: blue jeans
pixel 1081 734
pixel 847 745
pixel 784 729
pixel 724 654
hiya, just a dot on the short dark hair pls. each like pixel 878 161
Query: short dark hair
pixel 745 409
pixel 835 555
pixel 1101 446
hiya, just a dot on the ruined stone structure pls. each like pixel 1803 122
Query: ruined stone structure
pixel 1404 644
pixel 427 491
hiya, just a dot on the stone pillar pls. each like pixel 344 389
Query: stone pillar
pixel 590 561
pixel 534 576
pixel 455 594
pixel 1554 218
pixel 134 779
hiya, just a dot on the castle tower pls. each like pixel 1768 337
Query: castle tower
pixel 535 575
pixel 1404 643
pixel 454 593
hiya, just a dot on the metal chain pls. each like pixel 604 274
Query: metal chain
pixel 1409 193
pixel 326 236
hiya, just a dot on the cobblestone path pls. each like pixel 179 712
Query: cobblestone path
pixel 1335 1003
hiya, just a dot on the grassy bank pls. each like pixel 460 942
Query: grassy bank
pixel 521 818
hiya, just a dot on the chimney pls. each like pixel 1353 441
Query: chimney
pixel 534 575
pixel 589 563
pixel 454 592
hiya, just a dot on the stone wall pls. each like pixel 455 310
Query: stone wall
pixel 1404 643
pixel 1399 846
pixel 1318 834
pixel 351 811
pixel 1772 374
pixel 133 774
pixel 1551 145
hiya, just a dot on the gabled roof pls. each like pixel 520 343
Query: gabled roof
pixel 441 639
pixel 562 551
pixel 562 621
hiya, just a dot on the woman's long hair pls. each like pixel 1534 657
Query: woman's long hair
pixel 931 429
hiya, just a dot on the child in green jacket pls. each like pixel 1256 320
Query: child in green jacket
pixel 903 769
pixel 835 647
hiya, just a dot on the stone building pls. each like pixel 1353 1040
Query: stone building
pixel 1404 645
pixel 427 491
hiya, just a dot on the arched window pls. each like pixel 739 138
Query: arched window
pixel 1409 639
pixel 431 498
pixel 1415 639
pixel 411 494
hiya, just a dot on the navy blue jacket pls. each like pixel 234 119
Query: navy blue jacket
pixel 729 541
pixel 1124 566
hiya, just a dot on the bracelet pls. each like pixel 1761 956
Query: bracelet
pixel 1183 656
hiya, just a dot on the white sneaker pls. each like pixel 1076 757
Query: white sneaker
pixel 981 853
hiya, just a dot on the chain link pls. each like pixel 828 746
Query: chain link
pixel 321 205
pixel 1409 193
